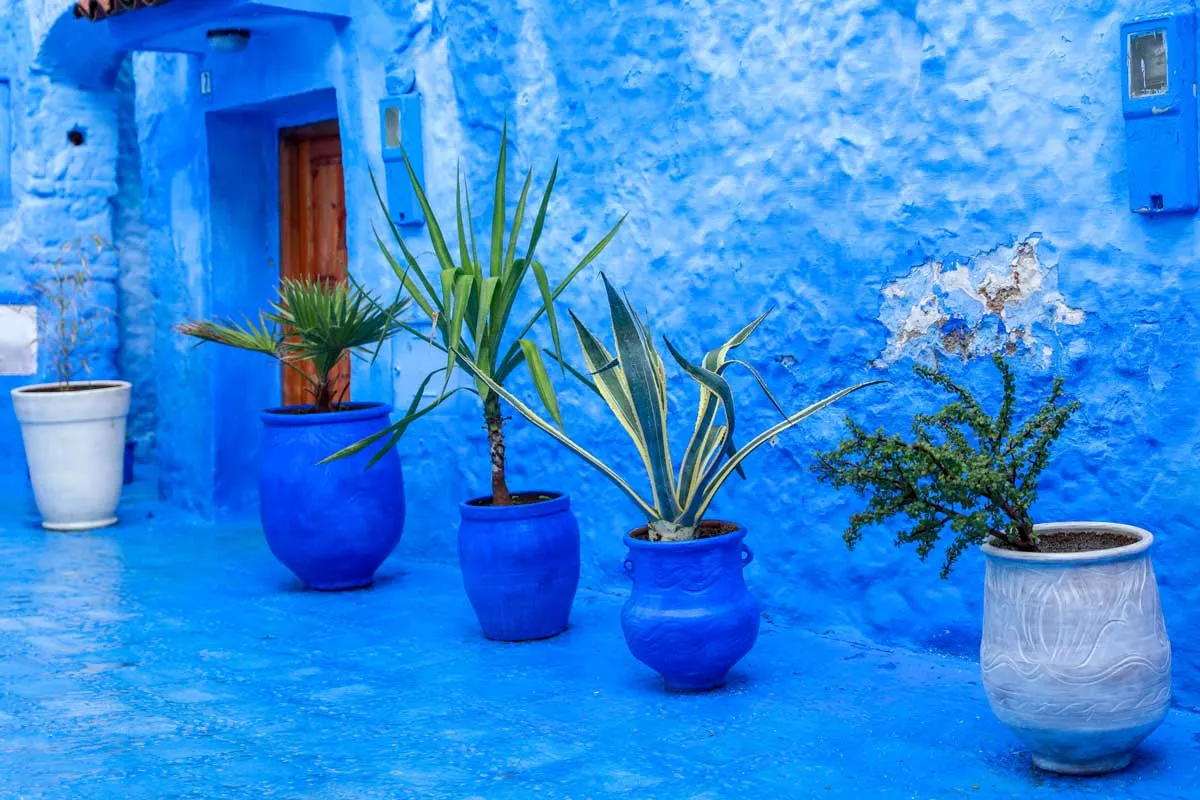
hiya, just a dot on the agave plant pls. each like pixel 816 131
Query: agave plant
pixel 311 322
pixel 633 383
pixel 470 303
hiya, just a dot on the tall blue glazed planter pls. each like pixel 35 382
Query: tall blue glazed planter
pixel 330 524
pixel 520 565
pixel 690 616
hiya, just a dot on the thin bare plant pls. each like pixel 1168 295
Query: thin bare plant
pixel 67 318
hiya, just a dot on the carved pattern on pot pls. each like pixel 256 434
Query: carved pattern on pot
pixel 690 616
pixel 1075 654
pixel 696 575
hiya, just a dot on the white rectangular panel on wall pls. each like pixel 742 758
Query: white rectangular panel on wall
pixel 18 340
pixel 5 143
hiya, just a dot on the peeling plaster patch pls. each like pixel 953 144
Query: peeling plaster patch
pixel 990 302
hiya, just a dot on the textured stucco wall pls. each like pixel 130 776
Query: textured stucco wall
pixel 136 301
pixel 174 177
pixel 901 180
pixel 61 193
pixel 824 161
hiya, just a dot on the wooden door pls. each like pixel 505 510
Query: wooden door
pixel 312 227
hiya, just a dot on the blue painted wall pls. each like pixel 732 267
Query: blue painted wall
pixel 928 180
pixel 59 193
pixel 879 173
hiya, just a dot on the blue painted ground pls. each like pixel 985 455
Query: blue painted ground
pixel 170 658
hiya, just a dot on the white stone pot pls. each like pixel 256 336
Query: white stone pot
pixel 75 447
pixel 1075 654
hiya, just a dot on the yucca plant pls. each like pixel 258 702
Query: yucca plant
pixel 469 302
pixel 634 385
pixel 315 322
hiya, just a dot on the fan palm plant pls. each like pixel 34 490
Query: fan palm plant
pixel 311 322
pixel 633 383
pixel 470 302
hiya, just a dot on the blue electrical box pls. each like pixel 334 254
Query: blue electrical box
pixel 1159 103
pixel 400 127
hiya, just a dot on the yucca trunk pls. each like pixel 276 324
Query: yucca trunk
pixel 664 530
pixel 495 428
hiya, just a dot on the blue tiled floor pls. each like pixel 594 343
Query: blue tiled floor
pixel 168 658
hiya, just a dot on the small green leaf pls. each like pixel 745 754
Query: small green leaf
pixel 540 220
pixel 435 232
pixel 496 253
pixel 548 304
pixel 541 381
pixel 463 256
pixel 462 292
pixel 518 219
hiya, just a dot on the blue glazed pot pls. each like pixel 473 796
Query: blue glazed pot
pixel 330 524
pixel 690 616
pixel 520 566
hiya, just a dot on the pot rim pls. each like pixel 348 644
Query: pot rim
pixel 90 387
pixel 1145 540
pixel 558 502
pixel 691 544
pixel 275 415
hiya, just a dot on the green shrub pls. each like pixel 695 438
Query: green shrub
pixel 961 469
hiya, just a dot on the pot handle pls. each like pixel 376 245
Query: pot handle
pixel 747 554
pixel 628 566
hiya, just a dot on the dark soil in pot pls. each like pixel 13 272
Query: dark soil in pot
pixel 71 387
pixel 1080 541
pixel 311 409
pixel 517 499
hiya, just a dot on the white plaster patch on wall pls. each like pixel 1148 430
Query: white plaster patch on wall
pixel 998 300
pixel 18 340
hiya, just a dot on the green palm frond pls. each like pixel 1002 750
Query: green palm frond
pixel 311 321
pixel 633 384
pixel 261 337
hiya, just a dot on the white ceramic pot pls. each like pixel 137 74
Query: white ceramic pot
pixel 1075 654
pixel 75 447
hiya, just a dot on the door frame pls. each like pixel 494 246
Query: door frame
pixel 240 274
pixel 293 197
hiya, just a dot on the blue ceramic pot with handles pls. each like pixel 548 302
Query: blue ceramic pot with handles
pixel 331 524
pixel 690 616
pixel 520 564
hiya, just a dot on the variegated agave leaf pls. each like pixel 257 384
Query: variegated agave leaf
pixel 633 385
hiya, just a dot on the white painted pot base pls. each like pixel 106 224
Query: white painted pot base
pixel 1099 766
pixel 76 527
